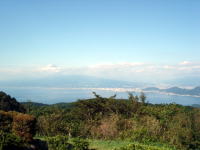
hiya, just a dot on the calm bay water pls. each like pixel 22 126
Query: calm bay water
pixel 53 95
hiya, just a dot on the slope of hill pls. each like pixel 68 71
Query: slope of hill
pixel 7 103
pixel 176 90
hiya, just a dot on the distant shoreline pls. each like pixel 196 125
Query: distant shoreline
pixel 110 89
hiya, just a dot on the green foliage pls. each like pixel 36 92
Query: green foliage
pixel 6 120
pixel 59 143
pixel 132 119
pixel 107 144
pixel 9 141
pixel 141 135
pixel 62 143
pixel 80 144
pixel 142 98
pixel 137 146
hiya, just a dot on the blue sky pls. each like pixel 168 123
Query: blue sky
pixel 81 33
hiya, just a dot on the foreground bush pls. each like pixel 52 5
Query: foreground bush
pixel 10 142
pixel 24 126
pixel 19 124
pixel 80 144
pixel 62 143
pixel 58 143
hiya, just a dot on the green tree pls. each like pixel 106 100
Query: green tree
pixel 143 97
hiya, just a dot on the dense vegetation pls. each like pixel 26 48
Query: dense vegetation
pixel 69 125
pixel 111 119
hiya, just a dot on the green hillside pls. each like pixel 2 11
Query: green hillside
pixel 110 123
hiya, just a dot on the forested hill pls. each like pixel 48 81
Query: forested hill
pixel 7 103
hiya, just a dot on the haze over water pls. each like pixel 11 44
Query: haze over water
pixel 51 96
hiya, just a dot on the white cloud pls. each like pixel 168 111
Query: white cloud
pixel 168 67
pixel 133 71
pixel 117 65
pixel 185 63
pixel 50 68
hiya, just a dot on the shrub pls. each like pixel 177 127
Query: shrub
pixel 62 143
pixel 9 141
pixel 59 143
pixel 5 121
pixel 24 126
pixel 108 128
pixel 80 144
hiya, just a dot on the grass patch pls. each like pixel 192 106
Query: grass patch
pixel 115 144
pixel 107 144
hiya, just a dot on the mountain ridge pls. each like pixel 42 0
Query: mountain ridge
pixel 177 90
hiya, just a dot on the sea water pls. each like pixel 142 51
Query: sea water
pixel 57 95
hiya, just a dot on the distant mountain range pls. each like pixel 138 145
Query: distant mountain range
pixel 71 81
pixel 176 90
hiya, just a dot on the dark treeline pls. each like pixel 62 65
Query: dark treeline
pixel 7 103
